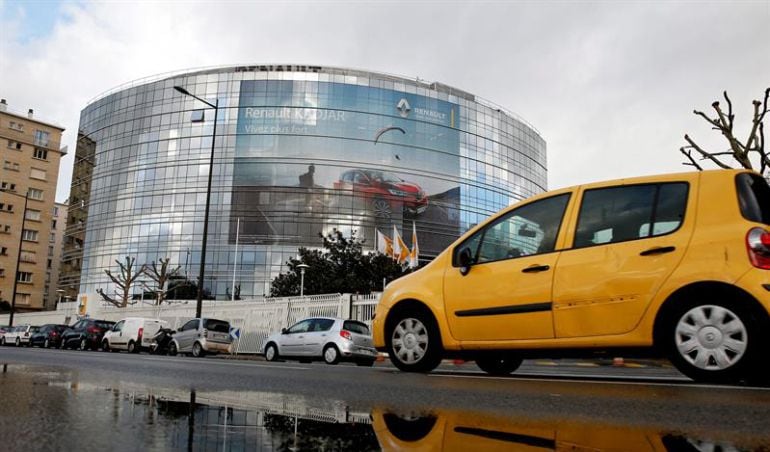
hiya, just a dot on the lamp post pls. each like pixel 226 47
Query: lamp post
pixel 302 268
pixel 18 254
pixel 215 106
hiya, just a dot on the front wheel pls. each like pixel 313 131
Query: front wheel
pixel 331 354
pixel 715 341
pixel 197 350
pixel 498 365
pixel 172 350
pixel 271 352
pixel 414 341
pixel 106 346
pixel 18 342
pixel 131 347
pixel 46 344
pixel 83 344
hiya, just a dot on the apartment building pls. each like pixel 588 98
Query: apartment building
pixel 53 261
pixel 30 154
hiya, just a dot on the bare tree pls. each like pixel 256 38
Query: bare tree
pixel 124 281
pixel 749 154
pixel 160 274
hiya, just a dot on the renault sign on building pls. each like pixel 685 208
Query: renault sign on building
pixel 300 151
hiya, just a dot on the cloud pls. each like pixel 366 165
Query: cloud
pixel 610 86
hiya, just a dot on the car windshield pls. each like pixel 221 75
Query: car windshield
pixel 217 325
pixel 34 329
pixel 384 177
pixel 356 327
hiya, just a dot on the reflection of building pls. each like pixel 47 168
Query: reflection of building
pixel 290 142
pixel 30 156
pixel 53 262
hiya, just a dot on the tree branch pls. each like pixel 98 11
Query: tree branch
pixel 688 154
pixel 705 154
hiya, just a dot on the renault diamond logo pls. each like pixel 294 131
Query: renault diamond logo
pixel 403 108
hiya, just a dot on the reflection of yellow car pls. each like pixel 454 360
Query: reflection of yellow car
pixel 461 431
pixel 676 265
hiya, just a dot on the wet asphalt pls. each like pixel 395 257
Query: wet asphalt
pixel 57 400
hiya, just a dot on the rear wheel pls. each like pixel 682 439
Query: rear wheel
pixel 498 365
pixel 271 352
pixel 172 350
pixel 106 346
pixel 715 339
pixel 331 354
pixel 18 342
pixel 381 208
pixel 83 344
pixel 414 341
pixel 46 344
pixel 2 340
pixel 131 347
pixel 197 350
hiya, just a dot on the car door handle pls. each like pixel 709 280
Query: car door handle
pixel 536 268
pixel 658 250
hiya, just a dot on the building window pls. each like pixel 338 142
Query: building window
pixel 7 186
pixel 17 126
pixel 52 237
pixel 40 154
pixel 25 277
pixel 33 215
pixel 2 273
pixel 6 207
pixel 36 173
pixel 41 138
pixel 23 298
pixel 50 251
pixel 3 251
pixel 11 166
pixel 49 263
pixel 5 229
pixel 34 193
pixel 29 235
pixel 28 257
pixel 55 211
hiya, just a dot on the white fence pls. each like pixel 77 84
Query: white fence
pixel 254 319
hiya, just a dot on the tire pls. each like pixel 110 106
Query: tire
pixel 365 363
pixel 83 346
pixel 46 343
pixel 106 346
pixel 197 350
pixel 498 365
pixel 331 354
pixel 2 340
pixel 413 340
pixel 18 342
pixel 63 344
pixel 172 350
pixel 131 348
pixel 715 339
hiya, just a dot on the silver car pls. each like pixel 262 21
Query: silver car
pixel 201 336
pixel 328 338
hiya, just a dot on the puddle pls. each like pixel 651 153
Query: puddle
pixel 58 409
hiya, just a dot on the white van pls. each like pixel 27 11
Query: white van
pixel 132 334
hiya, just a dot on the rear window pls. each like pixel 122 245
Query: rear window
pixel 355 327
pixel 217 325
pixel 753 197
pixel 103 324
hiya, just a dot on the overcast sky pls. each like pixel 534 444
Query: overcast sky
pixel 610 85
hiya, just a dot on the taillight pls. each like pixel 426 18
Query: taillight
pixel 92 330
pixel 139 335
pixel 758 246
pixel 346 335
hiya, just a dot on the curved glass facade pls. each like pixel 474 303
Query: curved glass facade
pixel 299 151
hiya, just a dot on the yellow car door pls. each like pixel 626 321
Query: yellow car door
pixel 627 241
pixel 499 284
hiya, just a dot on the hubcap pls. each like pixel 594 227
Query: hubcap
pixel 270 353
pixel 410 341
pixel 711 337
pixel 381 208
pixel 330 355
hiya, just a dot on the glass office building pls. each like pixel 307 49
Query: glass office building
pixel 299 151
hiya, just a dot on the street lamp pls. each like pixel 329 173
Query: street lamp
pixel 18 255
pixel 215 106
pixel 302 268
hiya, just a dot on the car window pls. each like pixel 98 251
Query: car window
pixel 619 214
pixel 301 327
pixel 321 325
pixel 104 324
pixel 753 197
pixel 34 329
pixel 359 178
pixel 118 326
pixel 217 325
pixel 191 325
pixel 80 325
pixel 355 327
pixel 527 230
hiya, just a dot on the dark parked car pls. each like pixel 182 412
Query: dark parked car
pixel 86 334
pixel 47 336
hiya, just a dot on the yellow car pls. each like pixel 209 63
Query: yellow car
pixel 674 265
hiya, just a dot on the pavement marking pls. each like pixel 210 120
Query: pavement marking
pixel 594 379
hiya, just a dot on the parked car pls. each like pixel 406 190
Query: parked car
pixel 132 334
pixel 386 192
pixel 675 265
pixel 327 338
pixel 3 330
pixel 201 336
pixel 47 336
pixel 18 335
pixel 85 334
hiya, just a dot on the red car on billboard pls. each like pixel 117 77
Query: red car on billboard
pixel 386 192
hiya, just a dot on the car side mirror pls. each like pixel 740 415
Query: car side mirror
pixel 466 260
pixel 283 330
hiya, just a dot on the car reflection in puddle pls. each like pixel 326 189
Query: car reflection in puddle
pixel 53 409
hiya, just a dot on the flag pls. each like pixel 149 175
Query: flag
pixel 414 255
pixel 384 244
pixel 400 250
